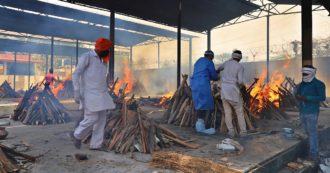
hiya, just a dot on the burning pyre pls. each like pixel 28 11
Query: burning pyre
pixel 64 89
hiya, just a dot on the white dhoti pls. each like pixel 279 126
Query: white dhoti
pixel 95 122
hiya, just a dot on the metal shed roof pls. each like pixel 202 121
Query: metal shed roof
pixel 197 15
pixel 291 2
pixel 32 23
pixel 38 48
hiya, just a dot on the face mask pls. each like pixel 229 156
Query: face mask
pixel 308 74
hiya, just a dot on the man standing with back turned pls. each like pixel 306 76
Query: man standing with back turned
pixel 90 77
pixel 231 82
pixel 310 93
pixel 204 72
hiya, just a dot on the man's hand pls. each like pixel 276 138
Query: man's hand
pixel 76 96
pixel 301 98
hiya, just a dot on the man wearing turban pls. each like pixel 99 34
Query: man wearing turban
pixel 310 93
pixel 90 87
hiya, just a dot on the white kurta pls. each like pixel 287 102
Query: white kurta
pixel 90 78
pixel 231 78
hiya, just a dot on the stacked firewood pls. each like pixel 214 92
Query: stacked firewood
pixel 29 97
pixel 41 109
pixel 181 109
pixel 6 91
pixel 129 129
pixel 67 91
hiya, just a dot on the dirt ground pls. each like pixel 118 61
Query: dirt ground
pixel 54 142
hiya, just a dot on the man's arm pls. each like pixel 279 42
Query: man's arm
pixel 320 97
pixel 221 67
pixel 240 76
pixel 81 66
pixel 212 73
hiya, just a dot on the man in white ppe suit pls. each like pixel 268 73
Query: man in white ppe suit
pixel 89 81
pixel 231 81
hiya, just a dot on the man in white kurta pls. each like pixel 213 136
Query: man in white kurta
pixel 231 80
pixel 89 81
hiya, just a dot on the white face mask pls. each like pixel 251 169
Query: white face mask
pixel 311 74
pixel 308 78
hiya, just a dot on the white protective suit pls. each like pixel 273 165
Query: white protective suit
pixel 90 78
pixel 231 78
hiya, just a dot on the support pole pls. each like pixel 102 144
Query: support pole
pixel 71 64
pixel 179 44
pixel 46 64
pixel 15 54
pixel 131 56
pixel 52 54
pixel 158 54
pixel 307 32
pixel 29 78
pixel 190 56
pixel 77 51
pixel 267 48
pixel 209 39
pixel 112 49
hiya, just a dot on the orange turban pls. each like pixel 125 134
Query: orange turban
pixel 103 44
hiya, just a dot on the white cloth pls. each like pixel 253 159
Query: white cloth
pixel 311 74
pixel 236 55
pixel 90 78
pixel 231 78
pixel 95 122
pixel 238 108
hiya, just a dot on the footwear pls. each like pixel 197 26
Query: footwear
pixel 231 134
pixel 200 125
pixel 210 131
pixel 76 142
pixel 243 134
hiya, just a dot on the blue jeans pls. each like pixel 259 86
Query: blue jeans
pixel 309 123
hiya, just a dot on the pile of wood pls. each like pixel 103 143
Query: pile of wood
pixel 129 129
pixel 44 109
pixel 10 160
pixel 181 110
pixel 6 91
pixel 160 102
pixel 22 108
pixel 67 91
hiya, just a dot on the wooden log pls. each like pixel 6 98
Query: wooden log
pixel 169 132
pixel 183 143
pixel 9 150
pixel 6 164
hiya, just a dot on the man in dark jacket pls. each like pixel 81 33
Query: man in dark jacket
pixel 204 72
pixel 310 93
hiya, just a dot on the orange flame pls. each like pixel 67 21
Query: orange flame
pixel 266 92
pixel 163 99
pixel 127 79
pixel 60 86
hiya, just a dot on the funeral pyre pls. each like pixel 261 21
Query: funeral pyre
pixel 6 91
pixel 128 129
pixel 40 108
pixel 261 100
pixel 64 89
